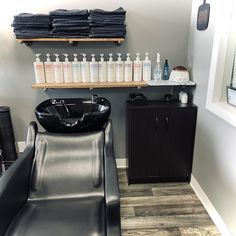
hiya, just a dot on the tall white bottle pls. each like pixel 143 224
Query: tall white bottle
pixel 102 69
pixel 58 70
pixel 128 69
pixel 49 70
pixel 85 69
pixel 67 69
pixel 157 75
pixel 39 70
pixel 93 69
pixel 76 69
pixel 147 68
pixel 119 69
pixel 111 72
pixel 137 68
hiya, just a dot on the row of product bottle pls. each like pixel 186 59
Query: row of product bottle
pixel 101 71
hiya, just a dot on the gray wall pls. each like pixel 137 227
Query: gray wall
pixel 214 164
pixel 153 26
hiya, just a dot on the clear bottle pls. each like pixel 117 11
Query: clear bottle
pixel 39 70
pixel 137 68
pixel 147 68
pixel 166 70
pixel 128 69
pixel 93 69
pixel 111 72
pixel 157 70
pixel 119 69
pixel 58 70
pixel 49 70
pixel 76 69
pixel 85 69
pixel 67 69
pixel 102 69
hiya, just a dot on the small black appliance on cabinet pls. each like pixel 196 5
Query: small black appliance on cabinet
pixel 160 141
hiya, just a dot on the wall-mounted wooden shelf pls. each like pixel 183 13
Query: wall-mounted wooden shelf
pixel 90 85
pixel 72 41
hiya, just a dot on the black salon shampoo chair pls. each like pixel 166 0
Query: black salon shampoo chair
pixel 63 184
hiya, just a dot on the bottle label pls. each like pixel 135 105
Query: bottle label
pixel 38 67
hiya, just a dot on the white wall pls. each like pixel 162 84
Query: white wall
pixel 152 26
pixel 214 164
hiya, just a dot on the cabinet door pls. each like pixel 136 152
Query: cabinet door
pixel 180 128
pixel 145 130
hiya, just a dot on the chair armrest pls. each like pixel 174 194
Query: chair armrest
pixel 112 192
pixel 14 184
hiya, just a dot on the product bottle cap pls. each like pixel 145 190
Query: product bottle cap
pixel 102 57
pixel 84 56
pixel 48 57
pixel 75 57
pixel 158 57
pixel 166 61
pixel 110 57
pixel 119 56
pixel 146 56
pixel 66 57
pixel 128 57
pixel 93 57
pixel 57 57
pixel 37 57
pixel 137 56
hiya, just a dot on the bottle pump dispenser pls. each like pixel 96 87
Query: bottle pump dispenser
pixel 39 70
pixel 67 69
pixel 111 73
pixel 76 70
pixel 119 69
pixel 85 69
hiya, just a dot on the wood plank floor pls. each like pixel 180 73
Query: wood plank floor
pixel 163 209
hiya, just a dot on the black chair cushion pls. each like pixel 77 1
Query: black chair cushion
pixel 68 217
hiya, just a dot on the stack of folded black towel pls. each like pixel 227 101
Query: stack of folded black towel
pixel 27 25
pixel 70 23
pixel 107 23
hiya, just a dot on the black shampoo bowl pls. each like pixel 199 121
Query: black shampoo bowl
pixel 73 115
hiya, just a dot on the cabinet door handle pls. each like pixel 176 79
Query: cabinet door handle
pixel 156 123
pixel 167 122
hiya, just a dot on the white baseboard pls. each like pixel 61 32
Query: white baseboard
pixel 210 208
pixel 121 163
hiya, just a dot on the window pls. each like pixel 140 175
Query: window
pixel 223 54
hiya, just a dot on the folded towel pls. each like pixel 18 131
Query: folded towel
pixel 64 12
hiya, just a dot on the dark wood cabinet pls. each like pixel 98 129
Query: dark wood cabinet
pixel 160 141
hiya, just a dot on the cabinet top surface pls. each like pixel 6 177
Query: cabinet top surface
pixel 161 104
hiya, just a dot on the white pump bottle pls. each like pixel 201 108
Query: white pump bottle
pixel 137 68
pixel 128 69
pixel 157 71
pixel 39 70
pixel 85 69
pixel 111 73
pixel 67 69
pixel 58 70
pixel 76 69
pixel 147 71
pixel 49 70
pixel 119 69
pixel 93 69
pixel 102 69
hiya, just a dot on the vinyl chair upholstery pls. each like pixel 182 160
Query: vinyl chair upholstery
pixel 64 184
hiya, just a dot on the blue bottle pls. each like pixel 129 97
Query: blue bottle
pixel 166 70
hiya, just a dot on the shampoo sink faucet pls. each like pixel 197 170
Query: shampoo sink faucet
pixel 62 102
